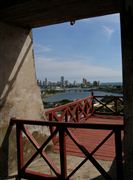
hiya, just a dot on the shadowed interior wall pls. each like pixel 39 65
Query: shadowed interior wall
pixel 19 93
pixel 127 57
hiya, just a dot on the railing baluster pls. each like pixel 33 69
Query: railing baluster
pixel 52 128
pixel 85 107
pixel 19 149
pixel 93 99
pixel 63 164
pixel 118 149
pixel 66 115
pixel 77 113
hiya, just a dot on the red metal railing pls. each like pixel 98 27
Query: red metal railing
pixel 63 129
pixel 76 111
pixel 82 109
pixel 113 105
pixel 60 120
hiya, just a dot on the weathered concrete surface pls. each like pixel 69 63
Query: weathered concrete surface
pixel 86 172
pixel 19 93
pixel 127 56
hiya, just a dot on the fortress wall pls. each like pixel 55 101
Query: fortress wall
pixel 19 93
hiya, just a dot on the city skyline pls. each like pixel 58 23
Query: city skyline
pixel 89 49
pixel 62 81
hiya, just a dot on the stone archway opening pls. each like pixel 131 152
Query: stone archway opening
pixel 48 61
pixel 88 51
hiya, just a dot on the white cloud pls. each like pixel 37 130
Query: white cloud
pixel 108 23
pixel 42 49
pixel 108 31
pixel 74 70
pixel 77 68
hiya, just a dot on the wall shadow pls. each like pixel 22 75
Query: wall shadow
pixel 10 83
pixel 12 40
pixel 4 154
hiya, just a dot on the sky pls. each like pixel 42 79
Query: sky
pixel 90 49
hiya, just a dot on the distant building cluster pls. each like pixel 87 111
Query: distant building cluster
pixel 66 84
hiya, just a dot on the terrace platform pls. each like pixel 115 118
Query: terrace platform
pixel 89 138
pixel 81 129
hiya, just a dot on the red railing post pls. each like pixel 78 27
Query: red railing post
pixel 50 116
pixel 66 116
pixel 19 140
pixel 77 114
pixel 85 108
pixel 118 151
pixel 51 127
pixel 63 161
pixel 92 96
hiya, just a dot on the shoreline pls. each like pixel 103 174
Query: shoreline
pixel 50 100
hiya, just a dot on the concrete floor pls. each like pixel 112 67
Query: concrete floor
pixel 86 172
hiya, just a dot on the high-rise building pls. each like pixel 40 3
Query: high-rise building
pixel 84 81
pixel 46 82
pixel 62 81
pixel 66 83
pixel 74 83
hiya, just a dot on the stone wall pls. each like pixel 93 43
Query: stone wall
pixel 19 93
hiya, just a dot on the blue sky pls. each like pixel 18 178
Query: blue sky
pixel 90 49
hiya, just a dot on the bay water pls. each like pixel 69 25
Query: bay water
pixel 74 95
